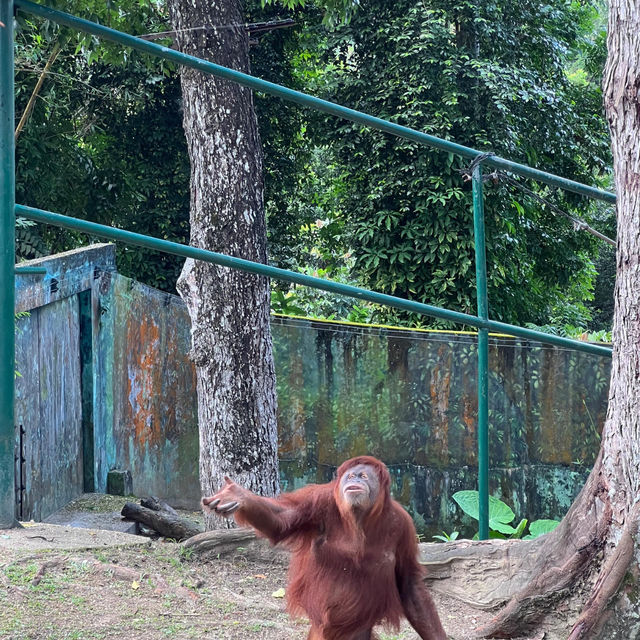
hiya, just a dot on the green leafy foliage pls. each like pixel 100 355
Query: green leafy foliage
pixel 484 76
pixel 540 527
pixel 500 514
pixel 141 166
pixel 29 244
pixel 447 537
pixel 285 303
pixel 601 307
pixel 500 517
pixel 335 11
pixel 104 141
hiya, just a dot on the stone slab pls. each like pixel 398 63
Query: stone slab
pixel 40 536
pixel 110 521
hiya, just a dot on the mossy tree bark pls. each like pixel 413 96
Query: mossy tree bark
pixel 229 310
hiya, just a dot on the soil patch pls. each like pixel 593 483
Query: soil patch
pixel 59 582
pixel 161 590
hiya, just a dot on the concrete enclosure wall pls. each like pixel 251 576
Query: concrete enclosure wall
pixel 106 383
pixel 57 328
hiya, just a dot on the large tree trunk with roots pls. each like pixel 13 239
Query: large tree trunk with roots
pixel 229 309
pixel 587 570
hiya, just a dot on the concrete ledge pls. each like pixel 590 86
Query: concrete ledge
pixel 40 536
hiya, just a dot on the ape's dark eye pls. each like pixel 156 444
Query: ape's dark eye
pixel 363 475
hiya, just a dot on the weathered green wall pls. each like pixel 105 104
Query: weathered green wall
pixel 50 387
pixel 410 398
pixel 407 397
pixel 155 424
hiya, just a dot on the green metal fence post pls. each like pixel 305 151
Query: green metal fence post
pixel 483 354
pixel 7 265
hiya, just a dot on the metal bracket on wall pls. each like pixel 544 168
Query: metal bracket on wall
pixel 20 471
pixel 30 271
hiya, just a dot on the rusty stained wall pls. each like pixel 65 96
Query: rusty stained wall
pixel 155 425
pixel 410 398
pixel 407 397
pixel 104 383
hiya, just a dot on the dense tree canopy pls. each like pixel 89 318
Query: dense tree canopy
pixel 348 203
pixel 112 121
pixel 103 141
pixel 488 77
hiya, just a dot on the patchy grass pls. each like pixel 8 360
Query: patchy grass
pixel 147 593
pixel 160 591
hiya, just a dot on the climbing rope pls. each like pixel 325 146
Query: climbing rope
pixel 497 176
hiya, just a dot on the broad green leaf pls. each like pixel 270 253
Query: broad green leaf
pixel 498 511
pixel 540 527
pixel 496 525
pixel 521 528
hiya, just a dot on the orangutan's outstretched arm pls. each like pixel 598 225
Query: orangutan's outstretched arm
pixel 274 518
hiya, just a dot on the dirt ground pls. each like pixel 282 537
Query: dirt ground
pixel 59 583
pixel 158 591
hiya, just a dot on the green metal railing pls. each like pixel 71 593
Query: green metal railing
pixel 7 266
pixel 8 210
pixel 483 352
pixel 185 251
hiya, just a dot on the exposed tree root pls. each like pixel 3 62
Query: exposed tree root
pixel 569 553
pixel 484 574
pixel 49 564
pixel 235 542
pixel 117 571
pixel 162 587
pixel 525 610
pixel 611 575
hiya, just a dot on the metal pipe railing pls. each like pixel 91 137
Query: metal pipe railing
pixel 7 265
pixel 30 271
pixel 481 322
pixel 175 248
pixel 483 352
pixel 309 101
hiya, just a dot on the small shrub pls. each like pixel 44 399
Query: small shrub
pixel 500 517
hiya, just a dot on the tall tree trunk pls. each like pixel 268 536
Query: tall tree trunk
pixel 231 339
pixel 591 561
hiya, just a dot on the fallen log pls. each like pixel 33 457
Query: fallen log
pixel 158 505
pixel 165 523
